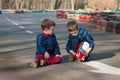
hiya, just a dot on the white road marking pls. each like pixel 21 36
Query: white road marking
pixel 12 21
pixel 30 32
pixel 8 19
pixel 15 23
pixel 21 27
pixel 103 68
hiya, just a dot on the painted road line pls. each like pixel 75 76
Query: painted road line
pixel 21 27
pixel 15 23
pixel 11 21
pixel 103 68
pixel 8 19
pixel 30 32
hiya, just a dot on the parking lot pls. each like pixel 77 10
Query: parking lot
pixel 17 48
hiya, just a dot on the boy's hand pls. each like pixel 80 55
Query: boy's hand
pixel 58 55
pixel 72 52
pixel 47 56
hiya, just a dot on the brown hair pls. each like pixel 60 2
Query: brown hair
pixel 72 26
pixel 47 24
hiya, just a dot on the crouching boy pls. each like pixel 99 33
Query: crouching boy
pixel 80 42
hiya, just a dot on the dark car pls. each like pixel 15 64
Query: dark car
pixel 113 27
pixel 0 12
pixel 114 17
pixel 95 14
pixel 19 11
pixel 104 14
pixel 118 28
pixel 60 13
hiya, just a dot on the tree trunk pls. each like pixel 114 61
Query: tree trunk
pixel 73 4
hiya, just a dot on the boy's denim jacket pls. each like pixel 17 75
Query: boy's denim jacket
pixel 47 43
pixel 83 35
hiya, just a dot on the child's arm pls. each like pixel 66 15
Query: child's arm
pixel 90 39
pixel 86 36
pixel 68 44
pixel 57 49
pixel 39 44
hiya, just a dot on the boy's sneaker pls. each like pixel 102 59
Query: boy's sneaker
pixel 33 64
pixel 36 64
pixel 71 57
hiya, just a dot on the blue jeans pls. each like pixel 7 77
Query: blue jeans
pixel 74 44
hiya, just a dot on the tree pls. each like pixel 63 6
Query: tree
pixel 73 4
pixel 118 4
pixel 57 4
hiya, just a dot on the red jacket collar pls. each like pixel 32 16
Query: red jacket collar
pixel 47 35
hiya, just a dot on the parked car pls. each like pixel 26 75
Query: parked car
pixel 113 27
pixel 117 11
pixel 36 11
pixel 94 17
pixel 19 11
pixel 95 14
pixel 0 12
pixel 118 28
pixel 115 17
pixel 104 14
pixel 60 13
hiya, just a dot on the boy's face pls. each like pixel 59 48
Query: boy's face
pixel 74 33
pixel 51 30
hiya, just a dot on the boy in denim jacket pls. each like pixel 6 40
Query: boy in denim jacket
pixel 47 51
pixel 77 36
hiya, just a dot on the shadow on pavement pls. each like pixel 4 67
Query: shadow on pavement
pixel 65 59
pixel 15 50
pixel 14 68
pixel 101 56
pixel 93 56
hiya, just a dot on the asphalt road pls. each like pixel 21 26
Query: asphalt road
pixel 17 48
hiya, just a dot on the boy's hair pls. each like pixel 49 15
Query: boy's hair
pixel 72 26
pixel 47 24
